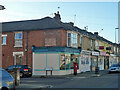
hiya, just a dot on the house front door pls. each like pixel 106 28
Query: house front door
pixel 18 59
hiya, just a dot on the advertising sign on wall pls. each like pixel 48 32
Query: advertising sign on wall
pixel 95 53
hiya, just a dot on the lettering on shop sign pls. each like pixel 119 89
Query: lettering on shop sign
pixel 86 52
pixel 95 53
pixel 102 53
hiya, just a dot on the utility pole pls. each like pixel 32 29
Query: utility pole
pixel 115 34
pixel 74 18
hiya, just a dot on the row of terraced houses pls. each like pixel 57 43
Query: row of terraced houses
pixel 51 43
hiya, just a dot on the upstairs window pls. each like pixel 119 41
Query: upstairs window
pixel 72 40
pixel 91 43
pixel 96 45
pixel 80 41
pixel 117 50
pixel 18 39
pixel 114 50
pixel 4 39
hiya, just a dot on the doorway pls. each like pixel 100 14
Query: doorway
pixel 18 59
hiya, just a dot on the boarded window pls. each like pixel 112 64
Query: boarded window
pixel 50 41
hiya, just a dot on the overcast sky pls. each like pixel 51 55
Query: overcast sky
pixel 95 15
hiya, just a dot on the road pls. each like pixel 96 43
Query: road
pixel 105 81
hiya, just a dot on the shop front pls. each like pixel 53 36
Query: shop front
pixel 113 59
pixel 101 60
pixel 106 61
pixel 85 60
pixel 60 59
pixel 94 60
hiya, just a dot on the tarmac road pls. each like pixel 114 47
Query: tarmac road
pixel 104 81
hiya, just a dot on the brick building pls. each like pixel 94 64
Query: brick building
pixel 48 42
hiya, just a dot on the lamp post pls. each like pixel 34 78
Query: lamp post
pixel 2 7
pixel 115 34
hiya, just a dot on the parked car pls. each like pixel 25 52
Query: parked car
pixel 6 80
pixel 114 68
pixel 25 70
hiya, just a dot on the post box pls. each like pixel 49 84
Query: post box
pixel 75 68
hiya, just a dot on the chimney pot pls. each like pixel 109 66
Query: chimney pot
pixel 96 33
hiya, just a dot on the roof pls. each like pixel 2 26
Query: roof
pixel 47 23
pixel 26 25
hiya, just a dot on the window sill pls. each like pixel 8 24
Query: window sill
pixel 18 46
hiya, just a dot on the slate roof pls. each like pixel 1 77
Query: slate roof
pixel 39 24
pixel 47 23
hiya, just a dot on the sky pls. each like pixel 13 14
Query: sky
pixel 95 15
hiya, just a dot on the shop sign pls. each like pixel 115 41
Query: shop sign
pixel 86 52
pixel 113 55
pixel 101 47
pixel 95 53
pixel 107 54
pixel 102 53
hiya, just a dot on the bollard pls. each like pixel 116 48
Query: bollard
pixel 97 70
pixel 17 76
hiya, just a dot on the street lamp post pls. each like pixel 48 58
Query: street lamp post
pixel 115 34
pixel 2 7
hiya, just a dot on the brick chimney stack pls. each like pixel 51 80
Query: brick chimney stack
pixel 57 16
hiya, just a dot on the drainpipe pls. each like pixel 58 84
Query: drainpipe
pixel 27 49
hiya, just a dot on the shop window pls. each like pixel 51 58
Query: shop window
pixel 84 59
pixel 74 58
pixel 100 61
pixel 18 39
pixel 72 40
pixel 67 61
pixel 62 62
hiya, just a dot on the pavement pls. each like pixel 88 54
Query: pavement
pixel 23 86
pixel 82 74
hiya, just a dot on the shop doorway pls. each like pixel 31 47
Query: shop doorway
pixel 106 63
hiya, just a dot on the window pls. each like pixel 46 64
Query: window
pixel 91 43
pixel 4 39
pixel 114 50
pixel 81 41
pixel 117 50
pixel 72 40
pixel 67 61
pixel 96 45
pixel 18 39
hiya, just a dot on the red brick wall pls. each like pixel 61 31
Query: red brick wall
pixel 35 37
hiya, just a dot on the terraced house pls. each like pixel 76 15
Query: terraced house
pixel 50 43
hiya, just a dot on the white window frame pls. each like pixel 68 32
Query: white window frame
pixel 19 40
pixel 97 45
pixel 72 39
pixel 4 35
pixel 117 50
pixel 114 49
pixel 81 40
